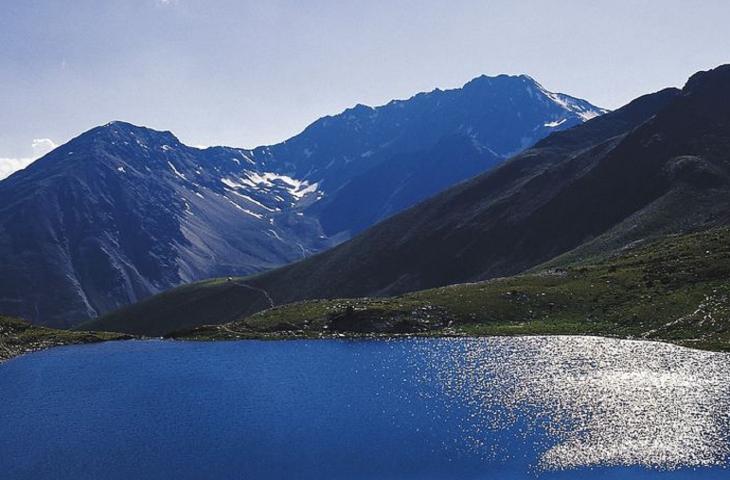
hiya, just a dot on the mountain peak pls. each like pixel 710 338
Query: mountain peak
pixel 127 127
pixel 516 85
pixel 127 133
pixel 122 124
pixel 503 78
pixel 716 78
pixel 517 80
pixel 359 109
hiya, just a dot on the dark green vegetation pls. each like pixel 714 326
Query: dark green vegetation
pixel 18 337
pixel 658 166
pixel 675 289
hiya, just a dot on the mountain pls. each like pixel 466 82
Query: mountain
pixel 504 114
pixel 657 166
pixel 123 212
pixel 488 119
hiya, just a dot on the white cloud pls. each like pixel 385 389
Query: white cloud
pixel 11 165
pixel 40 147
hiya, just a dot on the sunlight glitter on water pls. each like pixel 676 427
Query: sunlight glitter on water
pixel 601 402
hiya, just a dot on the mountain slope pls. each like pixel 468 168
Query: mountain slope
pixel 123 212
pixel 658 166
pixel 403 181
pixel 673 289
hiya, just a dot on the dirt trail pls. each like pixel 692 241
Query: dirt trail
pixel 261 290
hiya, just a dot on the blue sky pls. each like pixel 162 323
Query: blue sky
pixel 246 73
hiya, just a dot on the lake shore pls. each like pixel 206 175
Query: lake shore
pixel 18 337
pixel 226 333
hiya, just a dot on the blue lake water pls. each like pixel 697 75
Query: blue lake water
pixel 506 408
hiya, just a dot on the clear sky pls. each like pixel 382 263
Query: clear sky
pixel 246 73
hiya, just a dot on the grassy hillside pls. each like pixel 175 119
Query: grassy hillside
pixel 676 289
pixel 18 337
pixel 184 307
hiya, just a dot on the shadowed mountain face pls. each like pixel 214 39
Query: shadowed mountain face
pixel 122 212
pixel 658 165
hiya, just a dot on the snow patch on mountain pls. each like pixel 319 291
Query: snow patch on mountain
pixel 296 188
pixel 176 171
pixel 255 202
pixel 584 110
pixel 555 123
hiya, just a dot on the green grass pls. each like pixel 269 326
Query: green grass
pixel 675 289
pixel 18 337
pixel 182 307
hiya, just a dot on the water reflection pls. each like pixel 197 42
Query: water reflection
pixel 587 401
pixel 550 408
